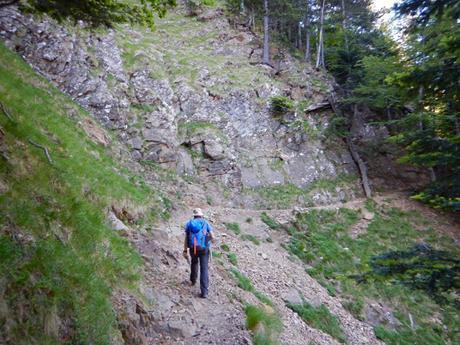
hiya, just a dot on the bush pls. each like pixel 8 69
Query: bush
pixel 281 105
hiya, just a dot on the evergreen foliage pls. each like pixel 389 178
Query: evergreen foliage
pixel 103 12
pixel 421 267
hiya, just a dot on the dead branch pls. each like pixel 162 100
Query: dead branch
pixel 7 114
pixel 361 166
pixel 45 150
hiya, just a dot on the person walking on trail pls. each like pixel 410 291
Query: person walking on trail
pixel 198 235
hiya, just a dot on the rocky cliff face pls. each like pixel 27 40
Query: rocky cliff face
pixel 192 96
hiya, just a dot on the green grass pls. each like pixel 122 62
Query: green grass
pixel 263 298
pixel 287 195
pixel 235 227
pixel 320 318
pixel 252 238
pixel 343 265
pixel 265 325
pixel 245 284
pixel 243 281
pixel 232 258
pixel 270 222
pixel 71 261
pixel 225 247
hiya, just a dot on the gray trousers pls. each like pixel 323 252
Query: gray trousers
pixel 202 258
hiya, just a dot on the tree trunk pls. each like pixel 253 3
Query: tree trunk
pixel 266 49
pixel 361 166
pixel 344 26
pixel 307 35
pixel 307 46
pixel 359 162
pixel 320 53
pixel 242 8
pixel 299 36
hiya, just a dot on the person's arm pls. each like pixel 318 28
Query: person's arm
pixel 210 232
pixel 185 252
pixel 185 243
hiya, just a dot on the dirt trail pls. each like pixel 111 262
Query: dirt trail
pixel 181 317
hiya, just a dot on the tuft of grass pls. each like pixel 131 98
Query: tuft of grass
pixel 409 337
pixel 225 247
pixel 265 323
pixel 235 227
pixel 242 280
pixel 320 318
pixel 355 307
pixel 270 222
pixel 216 254
pixel 232 258
pixel 251 238
pixel 264 299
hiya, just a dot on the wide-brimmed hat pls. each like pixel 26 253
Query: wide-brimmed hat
pixel 198 213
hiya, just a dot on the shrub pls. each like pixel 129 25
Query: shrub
pixel 281 105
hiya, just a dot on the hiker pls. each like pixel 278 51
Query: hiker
pixel 198 235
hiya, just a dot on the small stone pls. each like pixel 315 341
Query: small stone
pixel 367 215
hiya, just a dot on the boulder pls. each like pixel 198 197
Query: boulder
pixel 181 328
pixel 292 296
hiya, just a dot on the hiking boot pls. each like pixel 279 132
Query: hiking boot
pixel 192 282
pixel 204 295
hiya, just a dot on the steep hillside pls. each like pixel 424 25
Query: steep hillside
pixel 60 259
pixel 193 97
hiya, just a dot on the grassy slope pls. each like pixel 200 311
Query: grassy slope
pixel 321 239
pixel 58 259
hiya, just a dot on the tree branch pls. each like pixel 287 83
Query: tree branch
pixel 7 114
pixel 7 3
pixel 45 150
